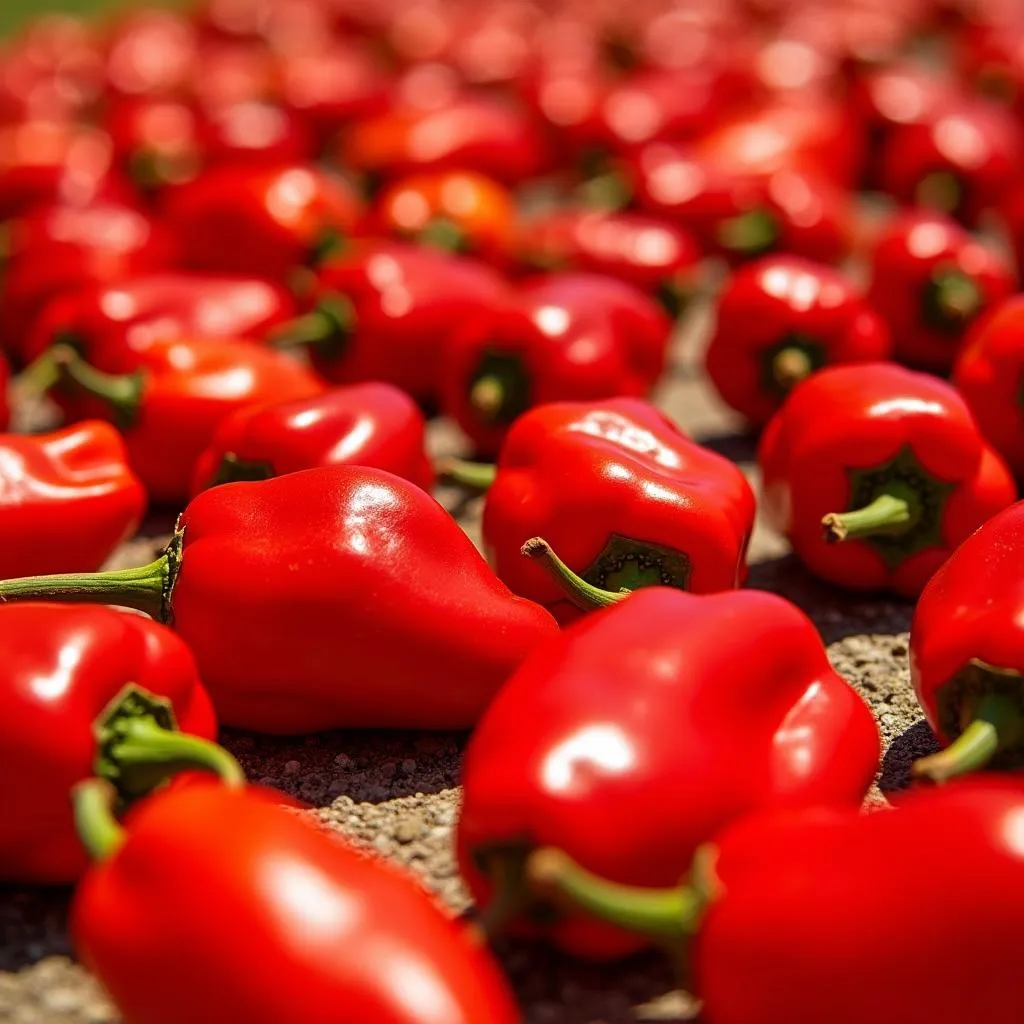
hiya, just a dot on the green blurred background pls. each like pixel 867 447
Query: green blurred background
pixel 15 12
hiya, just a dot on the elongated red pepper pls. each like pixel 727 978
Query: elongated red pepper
pixel 651 705
pixel 365 566
pixel 877 473
pixel 89 691
pixel 781 319
pixel 221 880
pixel 623 496
pixel 385 310
pixel 562 337
pixel 989 373
pixel 790 903
pixel 181 391
pixel 362 425
pixel 930 281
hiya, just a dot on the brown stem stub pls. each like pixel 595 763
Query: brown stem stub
pixel 545 866
pixel 536 547
pixel 833 529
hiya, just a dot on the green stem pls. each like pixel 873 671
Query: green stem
pixel 98 829
pixel 749 234
pixel 443 233
pixel 39 376
pixel 887 514
pixel 122 392
pixel 790 366
pixel 510 893
pixel 326 328
pixel 952 299
pixel 582 594
pixel 487 396
pixel 477 476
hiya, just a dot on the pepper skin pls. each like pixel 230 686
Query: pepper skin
pixel 269 920
pixel 645 707
pixel 151 52
pixel 64 671
pixel 561 337
pixel 67 499
pixel 930 281
pixel 403 624
pixel 781 319
pixel 876 474
pixel 181 391
pixel 255 134
pixel 267 223
pixel 791 903
pixel 362 425
pixel 156 139
pixel 5 412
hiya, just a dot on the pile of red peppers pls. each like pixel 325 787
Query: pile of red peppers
pixel 278 271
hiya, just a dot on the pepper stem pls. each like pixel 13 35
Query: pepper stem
pixel 790 366
pixel 511 893
pixel 582 594
pixel 487 397
pixel 443 233
pixel 95 823
pixel 997 724
pixel 326 328
pixel 888 514
pixel 477 476
pixel 956 298
pixel 40 375
pixel 748 233
pixel 122 392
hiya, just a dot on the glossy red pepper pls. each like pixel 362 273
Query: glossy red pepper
pixel 219 881
pixel 781 319
pixel 385 310
pixel 791 903
pixel 561 337
pixel 876 474
pixel 624 497
pixel 89 691
pixel 371 572
pixel 233 72
pixel 255 133
pixel 152 52
pixel 645 707
pixel 172 404
pixel 67 499
pixel 930 281
pixel 372 424
pixel 5 413
pixel 156 140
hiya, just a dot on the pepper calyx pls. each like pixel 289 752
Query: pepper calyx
pixel 443 233
pixel 233 469
pixel 499 389
pixel 751 233
pixel 327 328
pixel 951 300
pixel 789 361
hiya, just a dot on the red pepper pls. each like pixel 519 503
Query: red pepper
pixel 5 413
pixel 987 56
pixel 641 732
pixel 623 496
pixel 234 72
pixel 876 474
pixel 263 222
pixel 89 691
pixel 255 134
pixel 561 337
pixel 268 919
pixel 152 52
pixel 780 319
pixel 181 391
pixel 363 425
pixel 156 139
pixel 365 567
pixel 385 310
pixel 67 499
pixel 930 281
pixel 790 903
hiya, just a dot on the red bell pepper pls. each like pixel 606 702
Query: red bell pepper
pixel 367 568
pixel 965 653
pixel 268 223
pixel 640 733
pixel 623 496
pixel 790 903
pixel 67 499
pixel 362 425
pixel 930 281
pixel 170 407
pixel 89 691
pixel 268 918
pixel 780 319
pixel 385 310
pixel 561 337
pixel 254 134
pixel 876 474
pixel 152 52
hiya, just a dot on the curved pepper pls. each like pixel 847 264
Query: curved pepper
pixel 790 903
pixel 640 733
pixel 363 425
pixel 781 319
pixel 269 918
pixel 561 337
pixel 876 474
pixel 930 281
pixel 89 691
pixel 403 623
pixel 67 499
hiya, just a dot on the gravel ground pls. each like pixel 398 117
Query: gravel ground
pixel 398 793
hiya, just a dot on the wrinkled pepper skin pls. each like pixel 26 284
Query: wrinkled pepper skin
pixel 218 881
pixel 652 705
pixel 851 437
pixel 561 337
pixel 361 425
pixel 781 319
pixel 989 373
pixel 67 499
pixel 930 281
pixel 46 730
